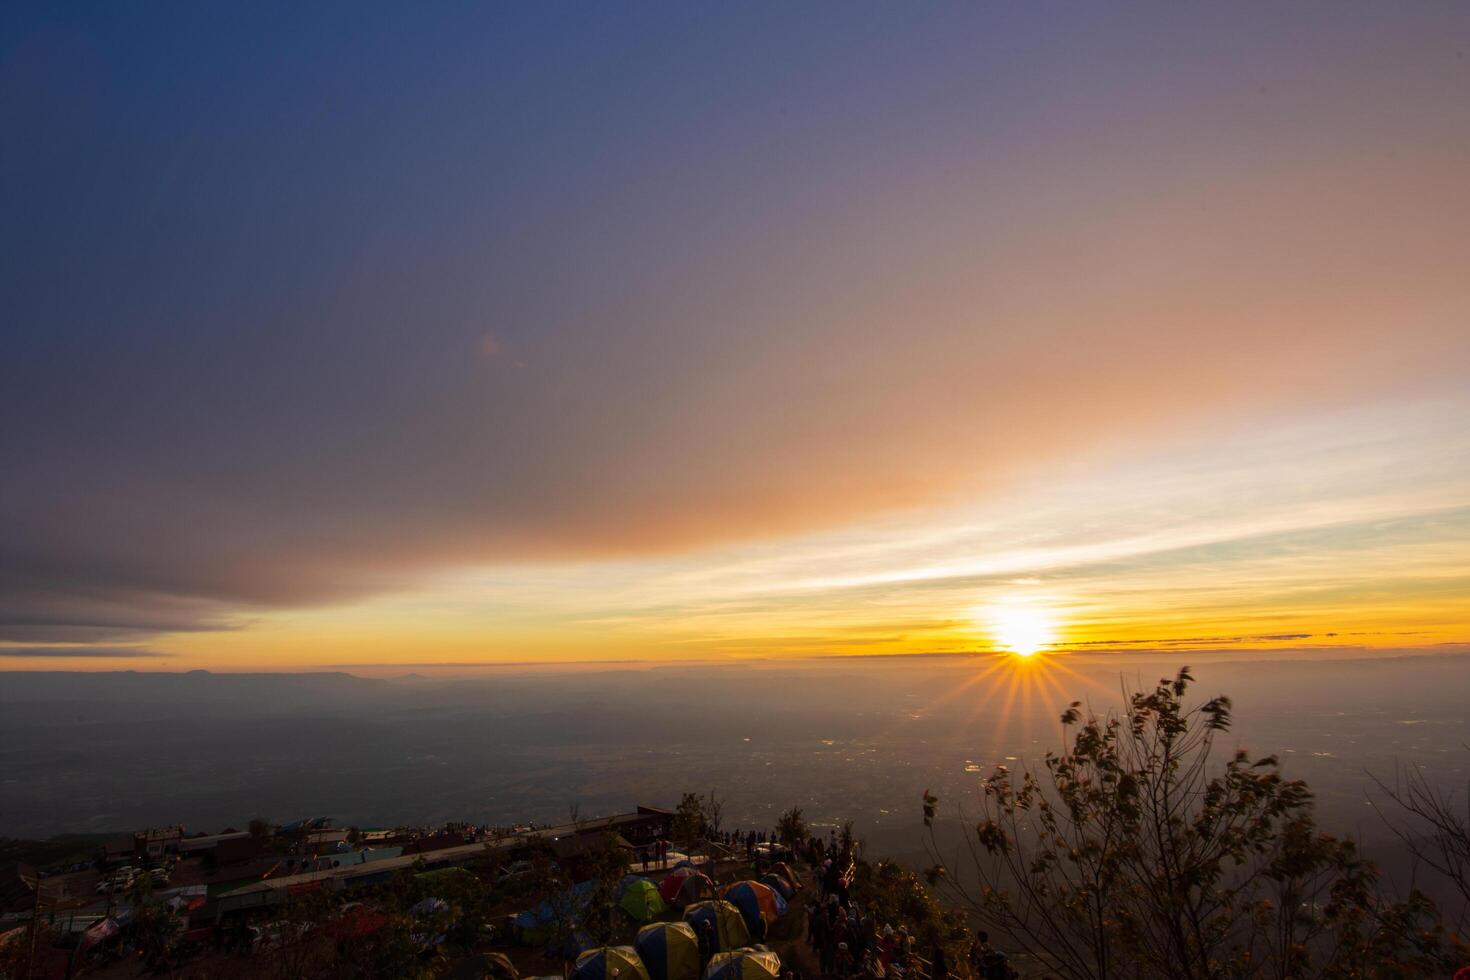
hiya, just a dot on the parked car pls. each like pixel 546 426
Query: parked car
pixel 115 884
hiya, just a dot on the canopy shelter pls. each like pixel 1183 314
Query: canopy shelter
pixel 744 964
pixel 610 963
pixel 639 897
pixel 760 905
pixel 669 950
pixel 685 886
pixel 727 926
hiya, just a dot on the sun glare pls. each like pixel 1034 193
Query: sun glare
pixel 1022 629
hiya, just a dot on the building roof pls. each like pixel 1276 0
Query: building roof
pixel 577 845
pixel 644 815
pixel 267 891
pixel 206 841
pixel 573 839
pixel 159 833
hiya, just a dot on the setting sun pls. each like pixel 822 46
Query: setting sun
pixel 1021 629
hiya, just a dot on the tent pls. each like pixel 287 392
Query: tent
pixel 730 930
pixel 539 926
pixel 429 906
pixel 783 870
pixel 357 920
pixel 759 904
pixel 567 905
pixel 669 950
pixel 779 885
pixel 185 903
pixel 101 931
pixel 640 899
pixel 744 964
pixel 609 962
pixel 686 886
pixel 668 889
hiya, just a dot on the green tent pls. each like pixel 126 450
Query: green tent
pixel 641 900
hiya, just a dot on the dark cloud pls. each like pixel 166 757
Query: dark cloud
pixel 75 653
pixel 44 608
pixel 1193 640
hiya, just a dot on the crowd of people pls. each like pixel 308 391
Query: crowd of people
pixel 851 944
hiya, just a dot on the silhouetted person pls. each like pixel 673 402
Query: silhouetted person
pixel 938 964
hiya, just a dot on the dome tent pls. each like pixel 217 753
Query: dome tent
pixel 760 905
pixel 779 885
pixel 669 950
pixel 609 962
pixel 724 920
pixel 744 964
pixel 783 879
pixel 686 887
pixel 639 898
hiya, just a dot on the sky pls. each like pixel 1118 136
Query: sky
pixel 374 335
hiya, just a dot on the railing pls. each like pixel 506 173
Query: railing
pixel 922 969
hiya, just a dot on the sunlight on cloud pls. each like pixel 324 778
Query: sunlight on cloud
pixel 1349 528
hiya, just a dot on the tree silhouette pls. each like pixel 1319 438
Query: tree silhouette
pixel 1135 854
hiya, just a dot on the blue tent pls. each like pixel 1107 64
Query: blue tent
pixel 569 904
pixel 759 904
pixel 780 885
pixel 669 950
pixel 538 926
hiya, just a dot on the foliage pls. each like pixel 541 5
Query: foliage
pixel 547 882
pixel 1434 829
pixel 62 849
pixel 304 941
pixel 895 895
pixel 19 956
pixel 714 813
pixel 606 865
pixel 690 820
pixel 1134 855
pixel 791 829
pixel 469 898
